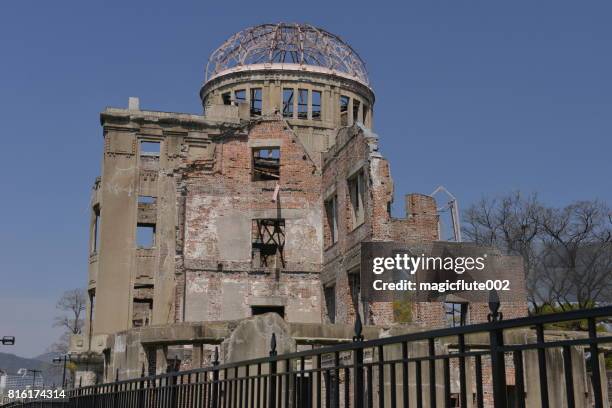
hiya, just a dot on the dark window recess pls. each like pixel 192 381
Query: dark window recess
pixel 240 95
pixel 279 310
pixel 288 102
pixel 344 104
pixel 227 98
pixel 152 360
pixel 356 105
pixel 316 105
pixel 266 163
pixel 268 243
pixel 355 288
pixel 364 114
pixel 145 235
pixel 330 303
pixel 356 189
pixel 256 102
pixel 149 148
pixel 302 103
pixel 456 313
pixel 95 233
pixel 331 211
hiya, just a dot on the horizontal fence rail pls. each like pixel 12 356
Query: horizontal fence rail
pixel 470 366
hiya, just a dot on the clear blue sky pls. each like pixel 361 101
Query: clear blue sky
pixel 482 97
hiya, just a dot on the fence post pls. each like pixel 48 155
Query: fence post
pixel 116 389
pixel 498 363
pixel 215 380
pixel 141 392
pixel 358 364
pixel 78 392
pixel 272 393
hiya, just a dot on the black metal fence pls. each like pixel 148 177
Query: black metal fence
pixel 469 366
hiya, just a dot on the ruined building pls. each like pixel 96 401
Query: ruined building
pixel 257 205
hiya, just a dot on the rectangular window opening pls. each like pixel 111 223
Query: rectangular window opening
pixel 316 105
pixel 288 102
pixel 344 103
pixel 330 302
pixel 95 233
pixel 256 101
pixel 356 105
pixel 227 98
pixel 331 210
pixel 356 188
pixel 266 163
pixel 258 310
pixel 145 235
pixel 240 95
pixel 365 113
pixel 355 289
pixel 148 148
pixel 456 314
pixel 302 103
pixel 146 200
pixel 142 310
pixel 268 243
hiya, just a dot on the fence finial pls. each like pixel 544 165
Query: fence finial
pixel 358 328
pixel 494 305
pixel 273 345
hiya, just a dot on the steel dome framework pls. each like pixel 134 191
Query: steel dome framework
pixel 299 45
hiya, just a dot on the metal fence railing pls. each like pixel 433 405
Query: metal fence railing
pixel 468 366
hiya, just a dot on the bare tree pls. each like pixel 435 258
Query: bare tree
pixel 577 261
pixel 513 224
pixel 567 252
pixel 72 305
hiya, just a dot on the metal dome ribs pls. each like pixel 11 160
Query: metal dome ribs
pixel 289 45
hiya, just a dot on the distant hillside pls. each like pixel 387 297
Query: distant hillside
pixel 52 373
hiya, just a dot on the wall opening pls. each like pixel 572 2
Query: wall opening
pixel 288 102
pixel 356 194
pixel 266 163
pixel 356 106
pixel 226 98
pixel 364 114
pixel 456 313
pixel 316 105
pixel 146 200
pixel 92 306
pixel 268 243
pixel 145 235
pixel 240 95
pixel 331 212
pixel 148 148
pixel 302 103
pixel 142 312
pixel 258 310
pixel 256 101
pixel 330 302
pixel 95 232
pixel 355 290
pixel 344 104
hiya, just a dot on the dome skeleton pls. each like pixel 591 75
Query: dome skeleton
pixel 297 44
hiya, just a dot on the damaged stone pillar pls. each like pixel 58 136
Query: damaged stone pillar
pixel 196 356
pixel 161 360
